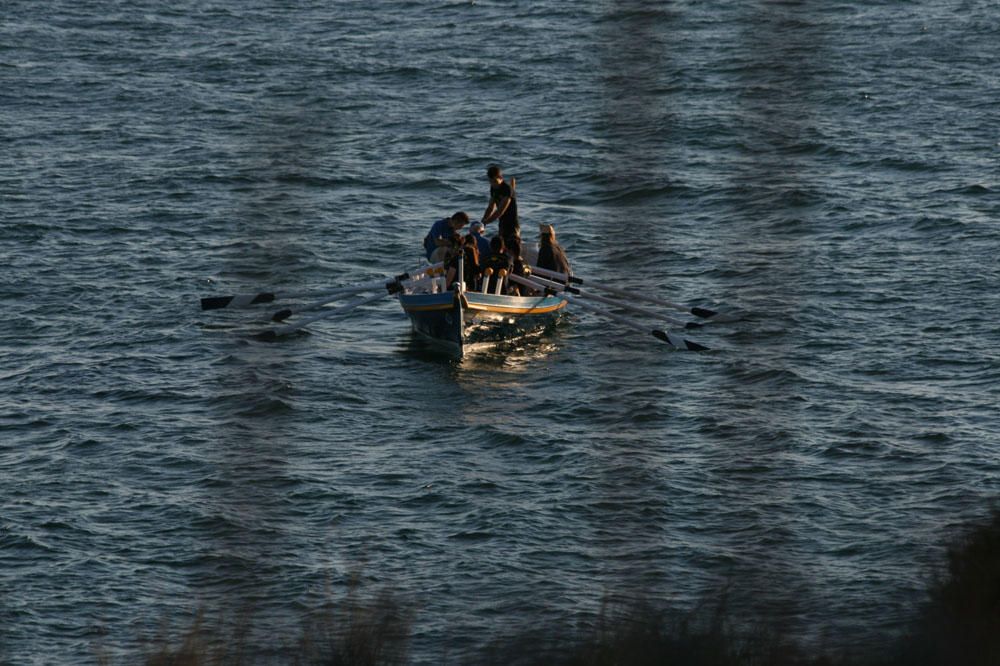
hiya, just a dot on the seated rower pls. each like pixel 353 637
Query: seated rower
pixel 496 261
pixel 550 254
pixel 477 229
pixel 463 249
pixel 519 267
pixel 438 239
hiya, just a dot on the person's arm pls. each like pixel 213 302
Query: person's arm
pixel 487 218
pixel 501 208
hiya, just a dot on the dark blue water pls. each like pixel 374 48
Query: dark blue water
pixel 831 168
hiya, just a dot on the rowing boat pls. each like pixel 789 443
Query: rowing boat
pixel 459 321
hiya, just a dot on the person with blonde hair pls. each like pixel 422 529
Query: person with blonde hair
pixel 550 255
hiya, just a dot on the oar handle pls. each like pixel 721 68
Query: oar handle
pixel 556 275
pixel 554 285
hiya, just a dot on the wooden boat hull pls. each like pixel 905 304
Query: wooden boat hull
pixel 454 323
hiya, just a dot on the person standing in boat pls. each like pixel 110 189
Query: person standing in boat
pixel 503 204
pixel 438 239
pixel 550 254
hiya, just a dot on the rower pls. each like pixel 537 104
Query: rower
pixel 438 239
pixel 495 262
pixel 550 255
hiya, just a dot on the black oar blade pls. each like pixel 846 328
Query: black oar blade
pixel 693 324
pixel 677 342
pixel 281 315
pixel 704 313
pixel 215 302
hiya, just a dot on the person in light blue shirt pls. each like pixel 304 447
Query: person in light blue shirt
pixel 482 243
pixel 441 233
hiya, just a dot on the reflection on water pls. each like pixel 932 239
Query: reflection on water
pixel 511 356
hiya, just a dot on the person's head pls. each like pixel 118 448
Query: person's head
pixel 454 246
pixel 477 228
pixel 494 173
pixel 459 220
pixel 546 234
pixel 471 247
pixel 496 245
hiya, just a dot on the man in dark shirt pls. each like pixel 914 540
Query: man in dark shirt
pixel 550 255
pixel 503 203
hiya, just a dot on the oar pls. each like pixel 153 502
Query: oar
pixel 670 338
pixel 282 315
pixel 703 313
pixel 618 304
pixel 246 300
pixel 392 285
pixel 275 333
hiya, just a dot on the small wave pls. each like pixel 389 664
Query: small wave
pixel 939 224
pixel 311 181
pixel 972 190
pixel 471 535
pixel 901 164
pixel 266 407
pixel 11 540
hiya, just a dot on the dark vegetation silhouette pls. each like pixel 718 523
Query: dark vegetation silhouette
pixel 957 624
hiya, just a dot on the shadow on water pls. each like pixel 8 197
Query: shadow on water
pixel 636 124
pixel 956 624
pixel 249 535
pixel 516 355
pixel 754 416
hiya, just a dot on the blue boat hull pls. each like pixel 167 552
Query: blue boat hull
pixel 455 323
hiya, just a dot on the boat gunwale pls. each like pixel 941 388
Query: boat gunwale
pixel 477 301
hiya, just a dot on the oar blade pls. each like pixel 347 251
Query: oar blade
pixel 219 302
pixel 215 302
pixel 677 341
pixel 704 313
pixel 282 315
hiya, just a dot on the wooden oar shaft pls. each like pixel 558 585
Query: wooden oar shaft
pixel 631 323
pixel 615 303
pixel 291 328
pixel 634 308
pixel 556 275
pixel 704 313
pixel 246 300
pixel 672 339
